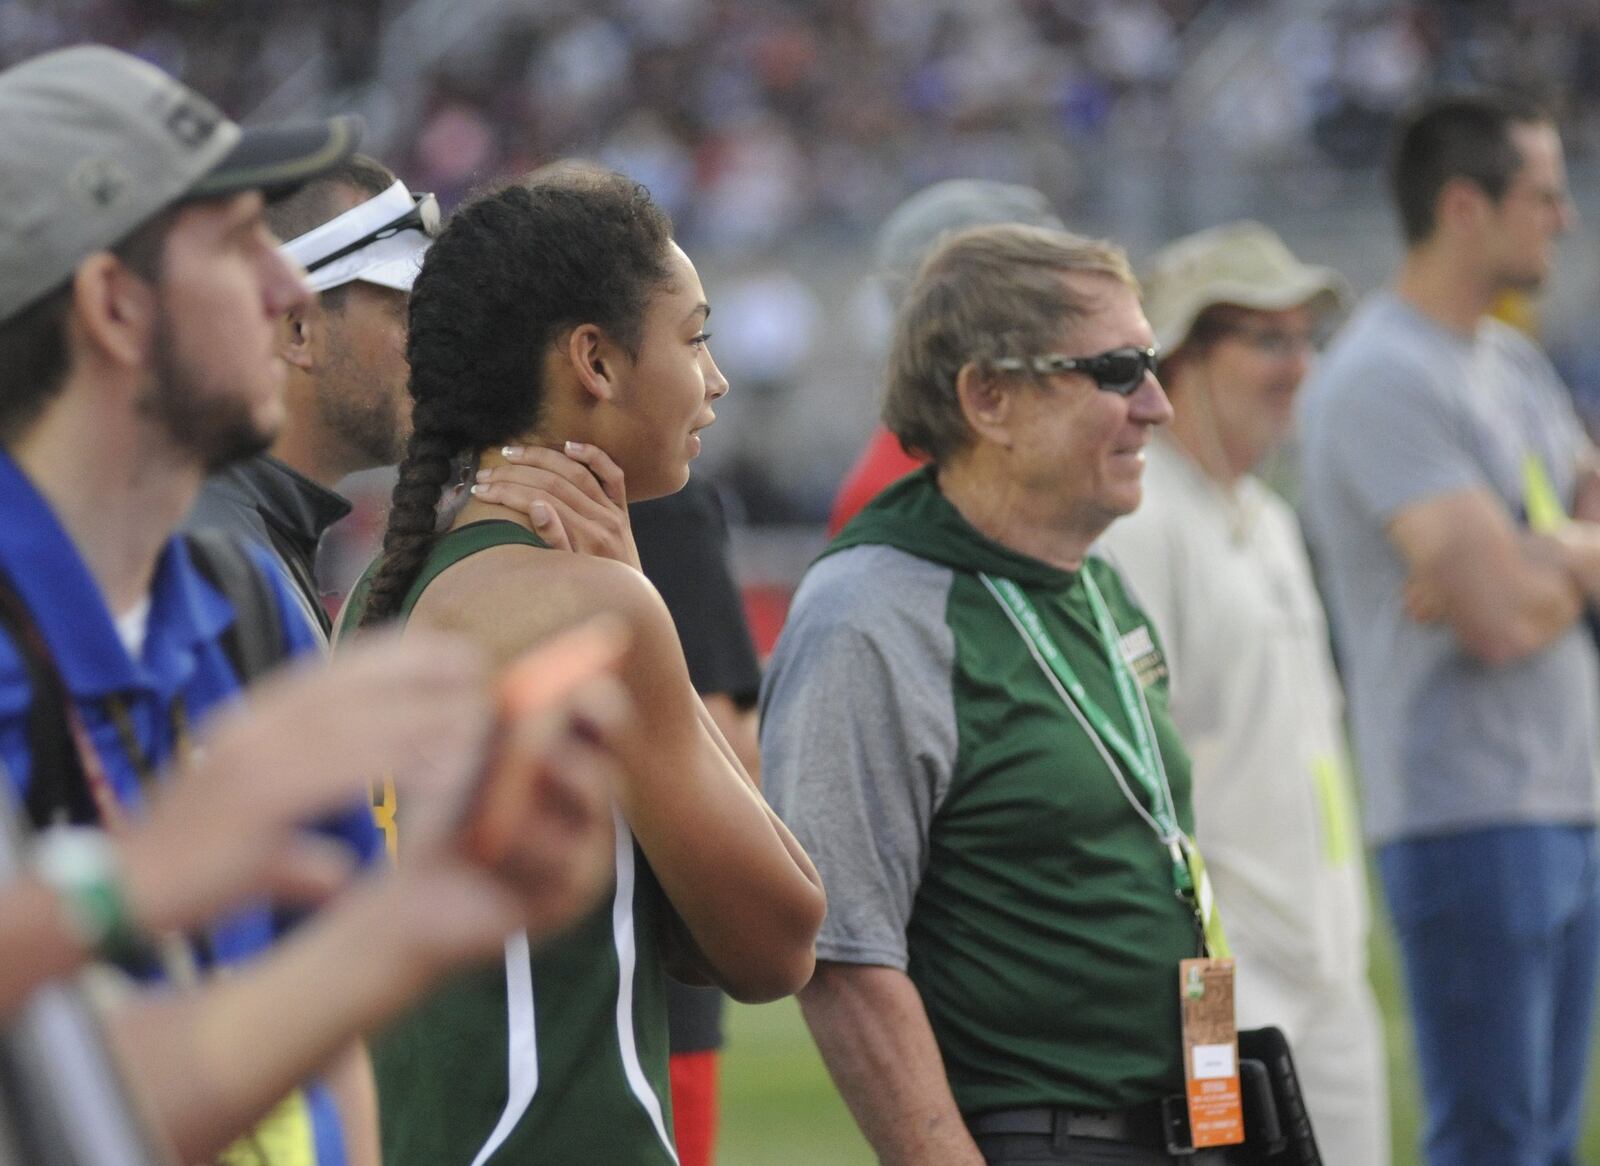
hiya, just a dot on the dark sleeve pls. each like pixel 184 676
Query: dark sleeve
pixel 683 547
pixel 223 505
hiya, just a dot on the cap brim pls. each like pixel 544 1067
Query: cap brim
pixel 399 274
pixel 392 262
pixel 278 160
pixel 1322 289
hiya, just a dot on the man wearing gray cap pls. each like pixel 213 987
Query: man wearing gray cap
pixel 1218 560
pixel 360 235
pixel 904 240
pixel 139 291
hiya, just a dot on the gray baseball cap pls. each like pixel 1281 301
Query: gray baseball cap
pixel 94 143
pixel 912 228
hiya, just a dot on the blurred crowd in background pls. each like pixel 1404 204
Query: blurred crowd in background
pixel 778 133
pixel 752 121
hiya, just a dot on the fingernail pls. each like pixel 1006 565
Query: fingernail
pixel 574 447
pixel 483 475
pixel 478 489
pixel 540 512
pixel 510 451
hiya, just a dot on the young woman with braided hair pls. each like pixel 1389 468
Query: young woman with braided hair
pixel 558 312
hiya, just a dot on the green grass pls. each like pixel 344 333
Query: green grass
pixel 778 1106
pixel 780 1109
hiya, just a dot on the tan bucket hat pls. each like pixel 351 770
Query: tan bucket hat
pixel 1240 263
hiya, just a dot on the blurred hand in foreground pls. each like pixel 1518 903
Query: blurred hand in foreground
pixel 306 742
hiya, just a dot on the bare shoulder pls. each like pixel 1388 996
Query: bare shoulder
pixel 508 598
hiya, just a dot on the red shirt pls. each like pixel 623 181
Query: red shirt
pixel 880 464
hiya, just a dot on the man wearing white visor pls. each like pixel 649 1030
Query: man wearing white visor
pixel 360 235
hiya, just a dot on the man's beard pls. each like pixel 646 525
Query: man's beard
pixel 203 419
pixel 373 425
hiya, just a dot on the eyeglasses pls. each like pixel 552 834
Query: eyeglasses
pixel 1120 371
pixel 423 216
pixel 1276 343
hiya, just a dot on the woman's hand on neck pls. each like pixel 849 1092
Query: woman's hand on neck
pixel 476 509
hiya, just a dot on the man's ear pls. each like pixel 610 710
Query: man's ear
pixel 296 335
pixel 115 310
pixel 594 360
pixel 986 403
pixel 1461 205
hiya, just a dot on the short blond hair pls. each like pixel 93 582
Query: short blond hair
pixel 983 294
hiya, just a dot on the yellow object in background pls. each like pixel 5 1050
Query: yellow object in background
pixel 1338 815
pixel 1545 512
pixel 283 1138
pixel 1519 309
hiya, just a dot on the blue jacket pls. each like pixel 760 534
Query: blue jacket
pixel 183 657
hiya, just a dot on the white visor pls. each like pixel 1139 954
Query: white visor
pixel 391 262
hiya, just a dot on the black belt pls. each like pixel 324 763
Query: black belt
pixel 1138 1125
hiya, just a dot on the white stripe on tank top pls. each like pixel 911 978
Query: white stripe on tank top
pixel 624 936
pixel 522 1051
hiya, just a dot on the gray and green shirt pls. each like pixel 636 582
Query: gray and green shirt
pixel 966 829
pixel 559 1053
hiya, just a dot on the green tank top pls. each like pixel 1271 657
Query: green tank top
pixel 559 1054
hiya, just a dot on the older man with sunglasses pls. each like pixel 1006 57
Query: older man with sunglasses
pixel 966 723
pixel 1218 561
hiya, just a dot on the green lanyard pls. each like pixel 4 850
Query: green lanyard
pixel 1141 759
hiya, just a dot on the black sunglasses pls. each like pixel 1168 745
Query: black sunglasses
pixel 423 216
pixel 1120 371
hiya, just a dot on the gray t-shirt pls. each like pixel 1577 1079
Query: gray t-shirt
pixel 866 669
pixel 1401 410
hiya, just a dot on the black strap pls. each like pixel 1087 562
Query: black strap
pixel 58 787
pixel 301 573
pixel 255 643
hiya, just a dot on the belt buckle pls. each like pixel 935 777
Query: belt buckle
pixel 1175 1126
pixel 1097 1125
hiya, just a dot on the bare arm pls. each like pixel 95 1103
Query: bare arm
pixel 355 1093
pixel 1575 547
pixel 742 884
pixel 578 501
pixel 750 899
pixel 1503 593
pixel 346 971
pixel 685 959
pixel 873 1033
pixel 226 827
pixel 738 728
pixel 743 887
pixel 1586 493
pixel 38 939
pixel 359 961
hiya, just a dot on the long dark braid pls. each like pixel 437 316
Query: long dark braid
pixel 413 516
pixel 513 269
